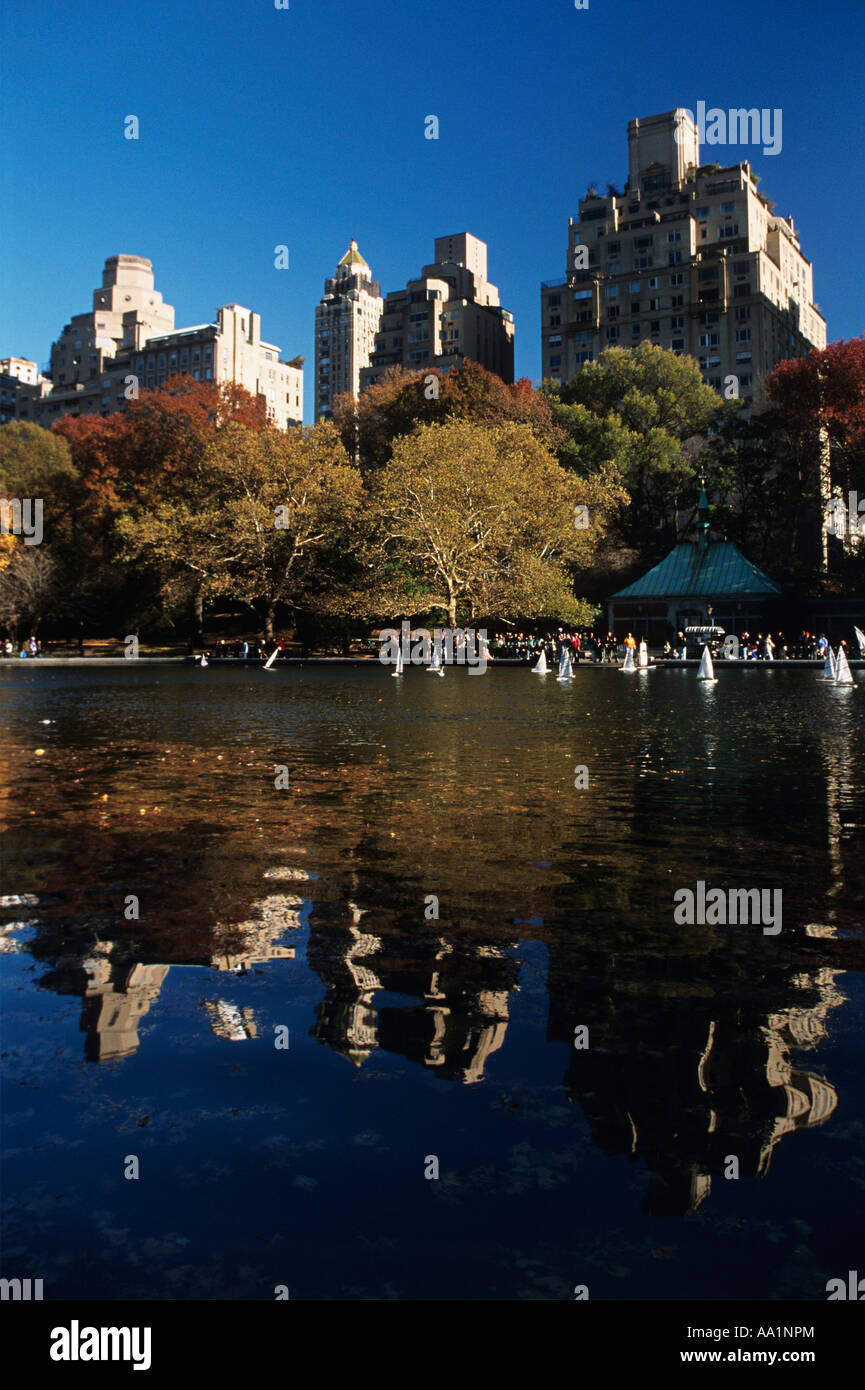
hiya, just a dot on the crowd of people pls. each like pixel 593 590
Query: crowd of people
pixel 582 644
pixel 243 650
pixel 592 646
pixel 31 648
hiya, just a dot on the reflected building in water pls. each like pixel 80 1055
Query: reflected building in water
pixel 118 988
pixel 459 1014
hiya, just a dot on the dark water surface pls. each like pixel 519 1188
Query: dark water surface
pixel 308 909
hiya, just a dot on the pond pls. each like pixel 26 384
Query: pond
pixel 365 988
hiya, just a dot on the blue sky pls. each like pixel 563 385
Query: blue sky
pixel 305 127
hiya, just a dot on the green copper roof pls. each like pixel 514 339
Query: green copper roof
pixel 690 571
pixel 352 257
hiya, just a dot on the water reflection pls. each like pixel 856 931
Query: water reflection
pixel 705 1044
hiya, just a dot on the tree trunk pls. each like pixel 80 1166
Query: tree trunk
pixel 198 614
pixel 268 621
pixel 452 611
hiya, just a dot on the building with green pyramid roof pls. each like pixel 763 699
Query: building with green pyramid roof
pixel 701 582
pixel 351 257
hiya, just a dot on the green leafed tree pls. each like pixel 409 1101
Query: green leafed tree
pixel 648 411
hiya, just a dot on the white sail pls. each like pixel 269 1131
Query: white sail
pixel 644 654
pixel 629 662
pixel 271 659
pixel 860 638
pixel 436 667
pixel 540 666
pixel 829 666
pixel 203 661
pixel 707 670
pixel 843 674
pixel 397 671
pixel 565 672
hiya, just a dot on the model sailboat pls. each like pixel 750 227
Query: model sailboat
pixel 397 671
pixel 436 666
pixel 629 663
pixel 860 638
pixel 829 665
pixel 707 670
pixel 271 659
pixel 540 666
pixel 565 672
pixel 843 674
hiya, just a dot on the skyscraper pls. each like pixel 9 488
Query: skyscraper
pixel 128 343
pixel 689 257
pixel 450 314
pixel 346 322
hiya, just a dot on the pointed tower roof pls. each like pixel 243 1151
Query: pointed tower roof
pixel 352 257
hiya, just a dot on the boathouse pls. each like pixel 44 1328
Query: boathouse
pixel 700 582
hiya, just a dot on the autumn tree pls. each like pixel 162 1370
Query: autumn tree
pixel 28 586
pixel 140 471
pixel 293 501
pixel 482 520
pixel 402 400
pixel 252 519
pixel 815 408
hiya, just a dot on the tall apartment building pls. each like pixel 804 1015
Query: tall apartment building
pixel 450 314
pixel 130 333
pixel 346 322
pixel 15 373
pixel 690 257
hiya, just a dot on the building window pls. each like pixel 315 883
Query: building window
pixel 732 230
pixel 701 214
pixel 613 331
pixel 555 363
pixel 613 311
pixel 635 330
pixel 634 286
pixel 677 323
pixel 676 279
pixel 635 307
pixel 653 282
pixel 743 311
pixel 743 335
pixel 727 208
pixel 611 292
pixel 678 344
pixel 674 236
pixel 674 258
pixel 655 326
